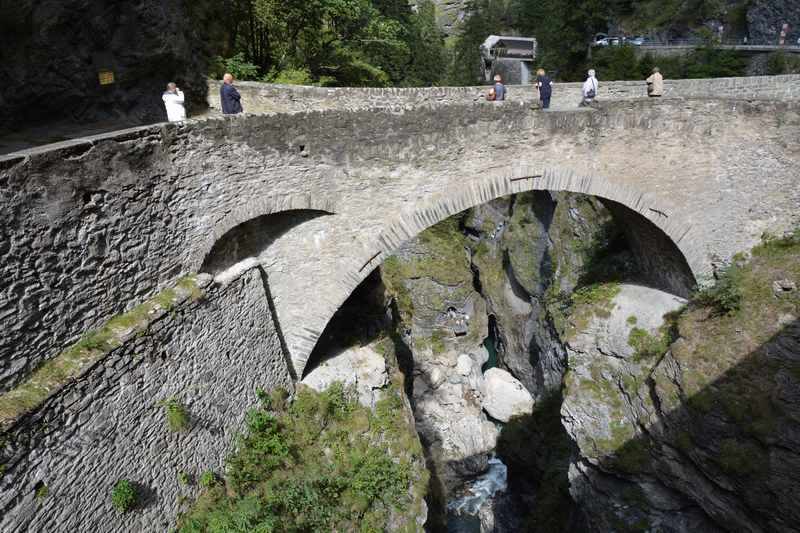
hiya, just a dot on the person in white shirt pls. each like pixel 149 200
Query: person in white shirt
pixel 589 90
pixel 173 101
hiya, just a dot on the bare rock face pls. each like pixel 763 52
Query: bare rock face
pixel 534 248
pixel 54 51
pixel 697 435
pixel 449 14
pixel 504 396
pixel 360 367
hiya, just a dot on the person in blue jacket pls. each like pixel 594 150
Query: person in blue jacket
pixel 545 86
pixel 229 97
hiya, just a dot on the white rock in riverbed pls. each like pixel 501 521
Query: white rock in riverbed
pixel 360 366
pixel 504 396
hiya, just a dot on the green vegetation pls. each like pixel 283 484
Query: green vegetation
pixel 184 478
pixel 650 347
pixel 574 314
pixel 725 296
pixel 728 367
pixel 444 261
pixel 564 29
pixel 782 63
pixel 89 349
pixel 737 457
pixel 176 414
pixel 321 463
pixel 330 42
pixel 41 492
pixel 124 496
pixel 707 61
pixel 208 479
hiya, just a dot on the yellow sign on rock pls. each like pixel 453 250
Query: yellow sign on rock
pixel 106 77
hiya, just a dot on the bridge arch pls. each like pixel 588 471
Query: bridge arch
pixel 254 209
pixel 650 221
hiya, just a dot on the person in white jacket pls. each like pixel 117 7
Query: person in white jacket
pixel 589 90
pixel 173 101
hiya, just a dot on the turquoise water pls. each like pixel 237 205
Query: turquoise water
pixel 490 343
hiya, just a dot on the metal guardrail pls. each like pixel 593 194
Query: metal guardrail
pixel 724 43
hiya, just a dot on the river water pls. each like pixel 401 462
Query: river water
pixel 463 512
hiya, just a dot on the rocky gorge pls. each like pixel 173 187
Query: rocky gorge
pixel 553 390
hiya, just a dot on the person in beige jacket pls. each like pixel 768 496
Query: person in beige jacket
pixel 655 83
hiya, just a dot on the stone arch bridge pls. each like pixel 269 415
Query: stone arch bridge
pixel 313 200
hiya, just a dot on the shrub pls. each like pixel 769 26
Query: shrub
pixel 325 463
pixel 236 65
pixel 124 496
pixel 176 413
pixel 208 479
pixel 291 76
pixel 184 478
pixel 42 491
pixel 725 296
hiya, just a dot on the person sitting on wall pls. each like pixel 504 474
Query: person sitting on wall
pixel 229 97
pixel 655 83
pixel 173 102
pixel 499 88
pixel 545 86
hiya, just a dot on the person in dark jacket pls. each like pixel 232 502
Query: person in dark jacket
pixel 229 97
pixel 545 86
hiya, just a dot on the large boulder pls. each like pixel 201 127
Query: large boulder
pixel 447 407
pixel 505 396
pixel 360 367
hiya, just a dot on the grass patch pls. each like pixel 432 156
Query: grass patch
pixel 208 479
pixel 184 479
pixel 53 373
pixel 321 463
pixel 124 496
pixel 647 346
pixel 176 414
pixel 41 492
pixel 584 304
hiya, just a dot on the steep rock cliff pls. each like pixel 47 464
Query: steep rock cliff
pixel 51 54
pixel 700 434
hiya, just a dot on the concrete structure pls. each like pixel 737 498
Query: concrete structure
pixel 312 200
pixel 510 57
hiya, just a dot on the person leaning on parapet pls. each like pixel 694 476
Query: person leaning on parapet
pixel 589 89
pixel 499 88
pixel 173 101
pixel 229 97
pixel 545 86
pixel 655 84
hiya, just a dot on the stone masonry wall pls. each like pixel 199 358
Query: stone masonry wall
pixel 106 425
pixel 270 98
pixel 93 226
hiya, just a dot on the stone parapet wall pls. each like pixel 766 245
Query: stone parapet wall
pixel 210 354
pixel 271 98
